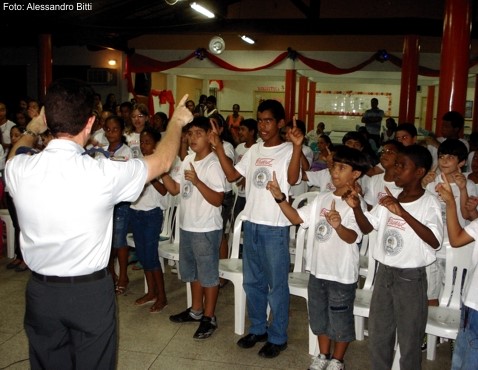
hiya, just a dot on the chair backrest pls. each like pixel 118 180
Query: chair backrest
pixel 458 264
pixel 175 226
pixel 300 201
pixel 369 242
pixel 300 242
pixel 168 218
pixel 236 236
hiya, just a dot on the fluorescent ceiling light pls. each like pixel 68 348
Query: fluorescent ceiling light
pixel 202 10
pixel 247 39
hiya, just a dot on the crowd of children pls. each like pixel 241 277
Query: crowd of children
pixel 416 197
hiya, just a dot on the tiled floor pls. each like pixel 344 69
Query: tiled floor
pixel 151 341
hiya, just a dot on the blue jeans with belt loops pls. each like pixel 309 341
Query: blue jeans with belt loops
pixel 266 279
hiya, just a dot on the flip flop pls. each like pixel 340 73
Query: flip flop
pixel 120 290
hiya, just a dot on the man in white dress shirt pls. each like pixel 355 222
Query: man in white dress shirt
pixel 65 203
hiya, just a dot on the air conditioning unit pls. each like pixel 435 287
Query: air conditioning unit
pixel 102 76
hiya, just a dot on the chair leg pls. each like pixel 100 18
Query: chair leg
pixel 239 309
pixel 189 297
pixel 359 327
pixel 431 347
pixel 313 344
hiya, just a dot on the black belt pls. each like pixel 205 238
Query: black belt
pixel 97 275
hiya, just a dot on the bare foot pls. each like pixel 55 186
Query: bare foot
pixel 158 306
pixel 147 298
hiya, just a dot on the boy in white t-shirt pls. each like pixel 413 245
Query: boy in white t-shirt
pixel 452 154
pixel 409 230
pixel 266 230
pixel 332 257
pixel 465 354
pixel 247 138
pixel 201 183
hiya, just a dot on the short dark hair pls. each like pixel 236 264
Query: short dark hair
pixel 454 147
pixel 251 124
pixel 408 127
pixel 353 157
pixel 274 107
pixel 126 104
pixel 155 134
pixel 397 144
pixel 211 99
pixel 200 122
pixel 419 155
pixel 68 106
pixel 456 119
pixel 354 135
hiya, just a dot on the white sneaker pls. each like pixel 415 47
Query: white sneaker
pixel 319 363
pixel 335 365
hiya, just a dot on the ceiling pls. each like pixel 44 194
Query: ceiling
pixel 331 26
pixel 113 23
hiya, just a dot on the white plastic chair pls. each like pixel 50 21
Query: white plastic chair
pixel 10 230
pixel 299 201
pixel 444 320
pixel 231 269
pixel 299 280
pixel 170 250
pixel 363 257
pixel 364 296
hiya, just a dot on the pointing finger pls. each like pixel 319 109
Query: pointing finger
pixel 332 206
pixel 182 102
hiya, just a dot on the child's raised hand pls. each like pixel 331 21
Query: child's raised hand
pixel 191 175
pixel 351 197
pixel 273 186
pixel 391 203
pixel 429 177
pixel 444 190
pixel 471 203
pixel 460 180
pixel 295 135
pixel 213 135
pixel 333 217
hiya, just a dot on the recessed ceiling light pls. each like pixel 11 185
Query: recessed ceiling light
pixel 247 39
pixel 112 62
pixel 202 10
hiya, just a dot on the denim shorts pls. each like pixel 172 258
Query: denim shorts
pixel 120 225
pixel 331 306
pixel 199 256
pixel 465 354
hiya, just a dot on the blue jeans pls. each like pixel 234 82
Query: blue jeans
pixel 266 279
pixel 146 226
pixel 465 354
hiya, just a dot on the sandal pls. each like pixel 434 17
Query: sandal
pixel 143 300
pixel 120 290
pixel 158 307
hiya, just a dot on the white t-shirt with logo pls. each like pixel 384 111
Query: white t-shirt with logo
pixel 257 166
pixel 471 189
pixel 397 243
pixel 133 142
pixel 375 189
pixel 320 179
pixel 196 214
pixel 330 257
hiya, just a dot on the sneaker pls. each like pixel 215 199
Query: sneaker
pixel 335 365
pixel 207 326
pixel 185 316
pixel 319 363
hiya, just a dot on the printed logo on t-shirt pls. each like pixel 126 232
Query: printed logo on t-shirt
pixel 136 151
pixel 261 177
pixel 392 242
pixel 381 194
pixel 323 230
pixel 187 190
pixel 330 186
